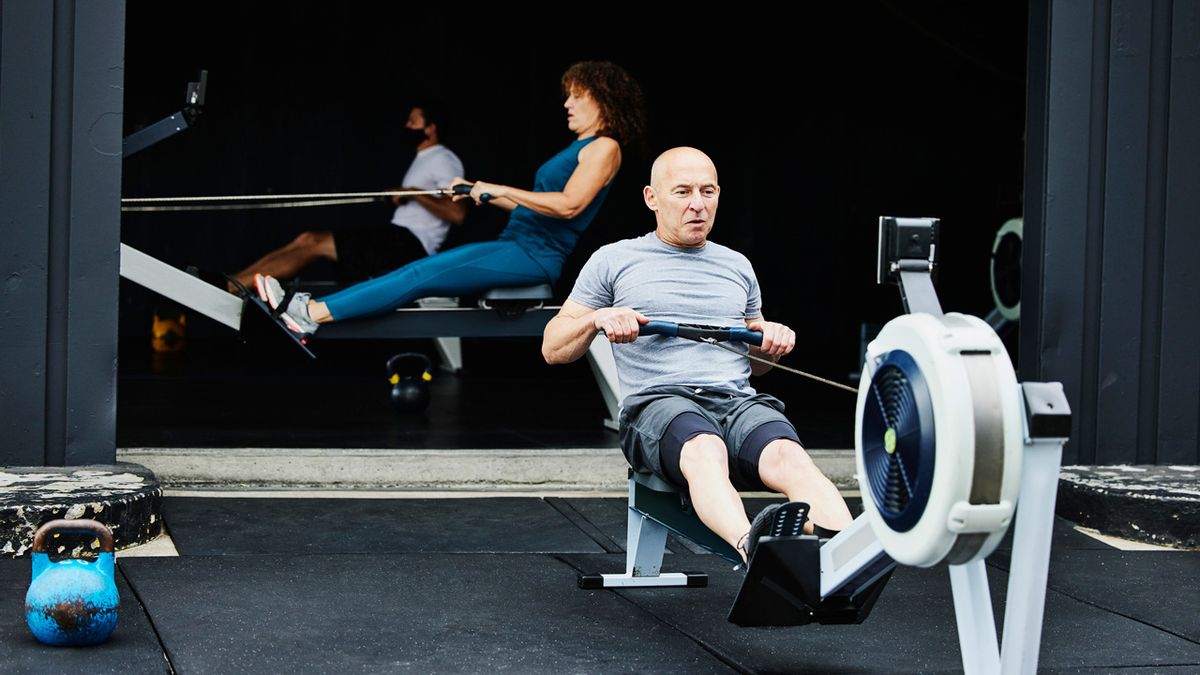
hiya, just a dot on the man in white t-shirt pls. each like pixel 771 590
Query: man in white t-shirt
pixel 419 224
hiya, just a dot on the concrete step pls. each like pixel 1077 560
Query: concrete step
pixel 541 469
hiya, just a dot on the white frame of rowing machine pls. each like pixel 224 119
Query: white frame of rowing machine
pixel 1028 570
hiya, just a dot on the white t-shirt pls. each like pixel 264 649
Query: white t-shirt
pixel 431 169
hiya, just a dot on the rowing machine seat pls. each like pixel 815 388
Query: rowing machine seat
pixel 512 302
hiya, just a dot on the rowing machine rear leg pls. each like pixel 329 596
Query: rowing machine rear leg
pixel 646 542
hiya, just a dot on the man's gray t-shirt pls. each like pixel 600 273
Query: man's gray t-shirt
pixel 712 285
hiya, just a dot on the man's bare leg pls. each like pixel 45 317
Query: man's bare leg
pixel 704 462
pixel 785 467
pixel 288 261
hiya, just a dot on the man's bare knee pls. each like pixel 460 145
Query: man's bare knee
pixel 784 459
pixel 704 452
pixel 316 243
pixel 302 240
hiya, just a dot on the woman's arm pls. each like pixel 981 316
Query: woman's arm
pixel 506 204
pixel 503 203
pixel 598 164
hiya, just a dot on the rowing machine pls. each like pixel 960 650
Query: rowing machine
pixel 947 442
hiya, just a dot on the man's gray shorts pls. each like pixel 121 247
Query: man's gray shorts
pixel 647 415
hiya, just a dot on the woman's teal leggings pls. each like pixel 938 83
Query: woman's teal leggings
pixel 465 270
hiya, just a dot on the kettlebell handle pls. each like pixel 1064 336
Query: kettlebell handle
pixel 81 525
pixel 393 364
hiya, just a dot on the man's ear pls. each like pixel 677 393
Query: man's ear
pixel 431 131
pixel 651 198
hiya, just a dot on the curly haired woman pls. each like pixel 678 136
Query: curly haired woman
pixel 604 111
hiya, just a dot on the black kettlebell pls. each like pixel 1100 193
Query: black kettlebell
pixel 409 374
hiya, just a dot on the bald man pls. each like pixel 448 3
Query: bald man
pixel 688 412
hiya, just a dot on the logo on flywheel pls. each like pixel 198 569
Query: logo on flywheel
pixel 889 441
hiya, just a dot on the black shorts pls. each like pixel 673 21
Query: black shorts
pixel 655 424
pixel 369 251
pixel 743 458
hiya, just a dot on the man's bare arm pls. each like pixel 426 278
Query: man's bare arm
pixel 450 211
pixel 569 334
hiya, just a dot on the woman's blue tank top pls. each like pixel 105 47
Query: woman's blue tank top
pixel 549 240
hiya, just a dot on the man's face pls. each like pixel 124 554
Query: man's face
pixel 684 200
pixel 416 119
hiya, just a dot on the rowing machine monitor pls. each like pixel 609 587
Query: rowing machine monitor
pixel 172 124
pixel 907 256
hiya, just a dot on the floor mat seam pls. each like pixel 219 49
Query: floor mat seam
pixel 1119 613
pixel 611 547
pixel 149 619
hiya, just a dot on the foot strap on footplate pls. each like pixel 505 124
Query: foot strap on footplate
pixel 249 326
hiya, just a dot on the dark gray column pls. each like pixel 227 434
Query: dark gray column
pixel 25 67
pixel 1110 296
pixel 61 101
pixel 1178 413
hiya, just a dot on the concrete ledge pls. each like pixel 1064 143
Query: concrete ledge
pixel 1154 504
pixel 577 469
pixel 125 497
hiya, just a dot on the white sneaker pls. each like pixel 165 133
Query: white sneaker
pixel 295 317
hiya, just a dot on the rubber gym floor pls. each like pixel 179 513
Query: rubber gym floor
pixel 332 585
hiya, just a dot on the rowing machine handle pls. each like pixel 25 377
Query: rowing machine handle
pixel 465 189
pixel 731 334
pixel 750 337
pixel 666 328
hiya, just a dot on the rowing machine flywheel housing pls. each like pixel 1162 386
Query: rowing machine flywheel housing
pixel 938 439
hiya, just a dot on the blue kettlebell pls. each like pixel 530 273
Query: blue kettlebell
pixel 72 602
